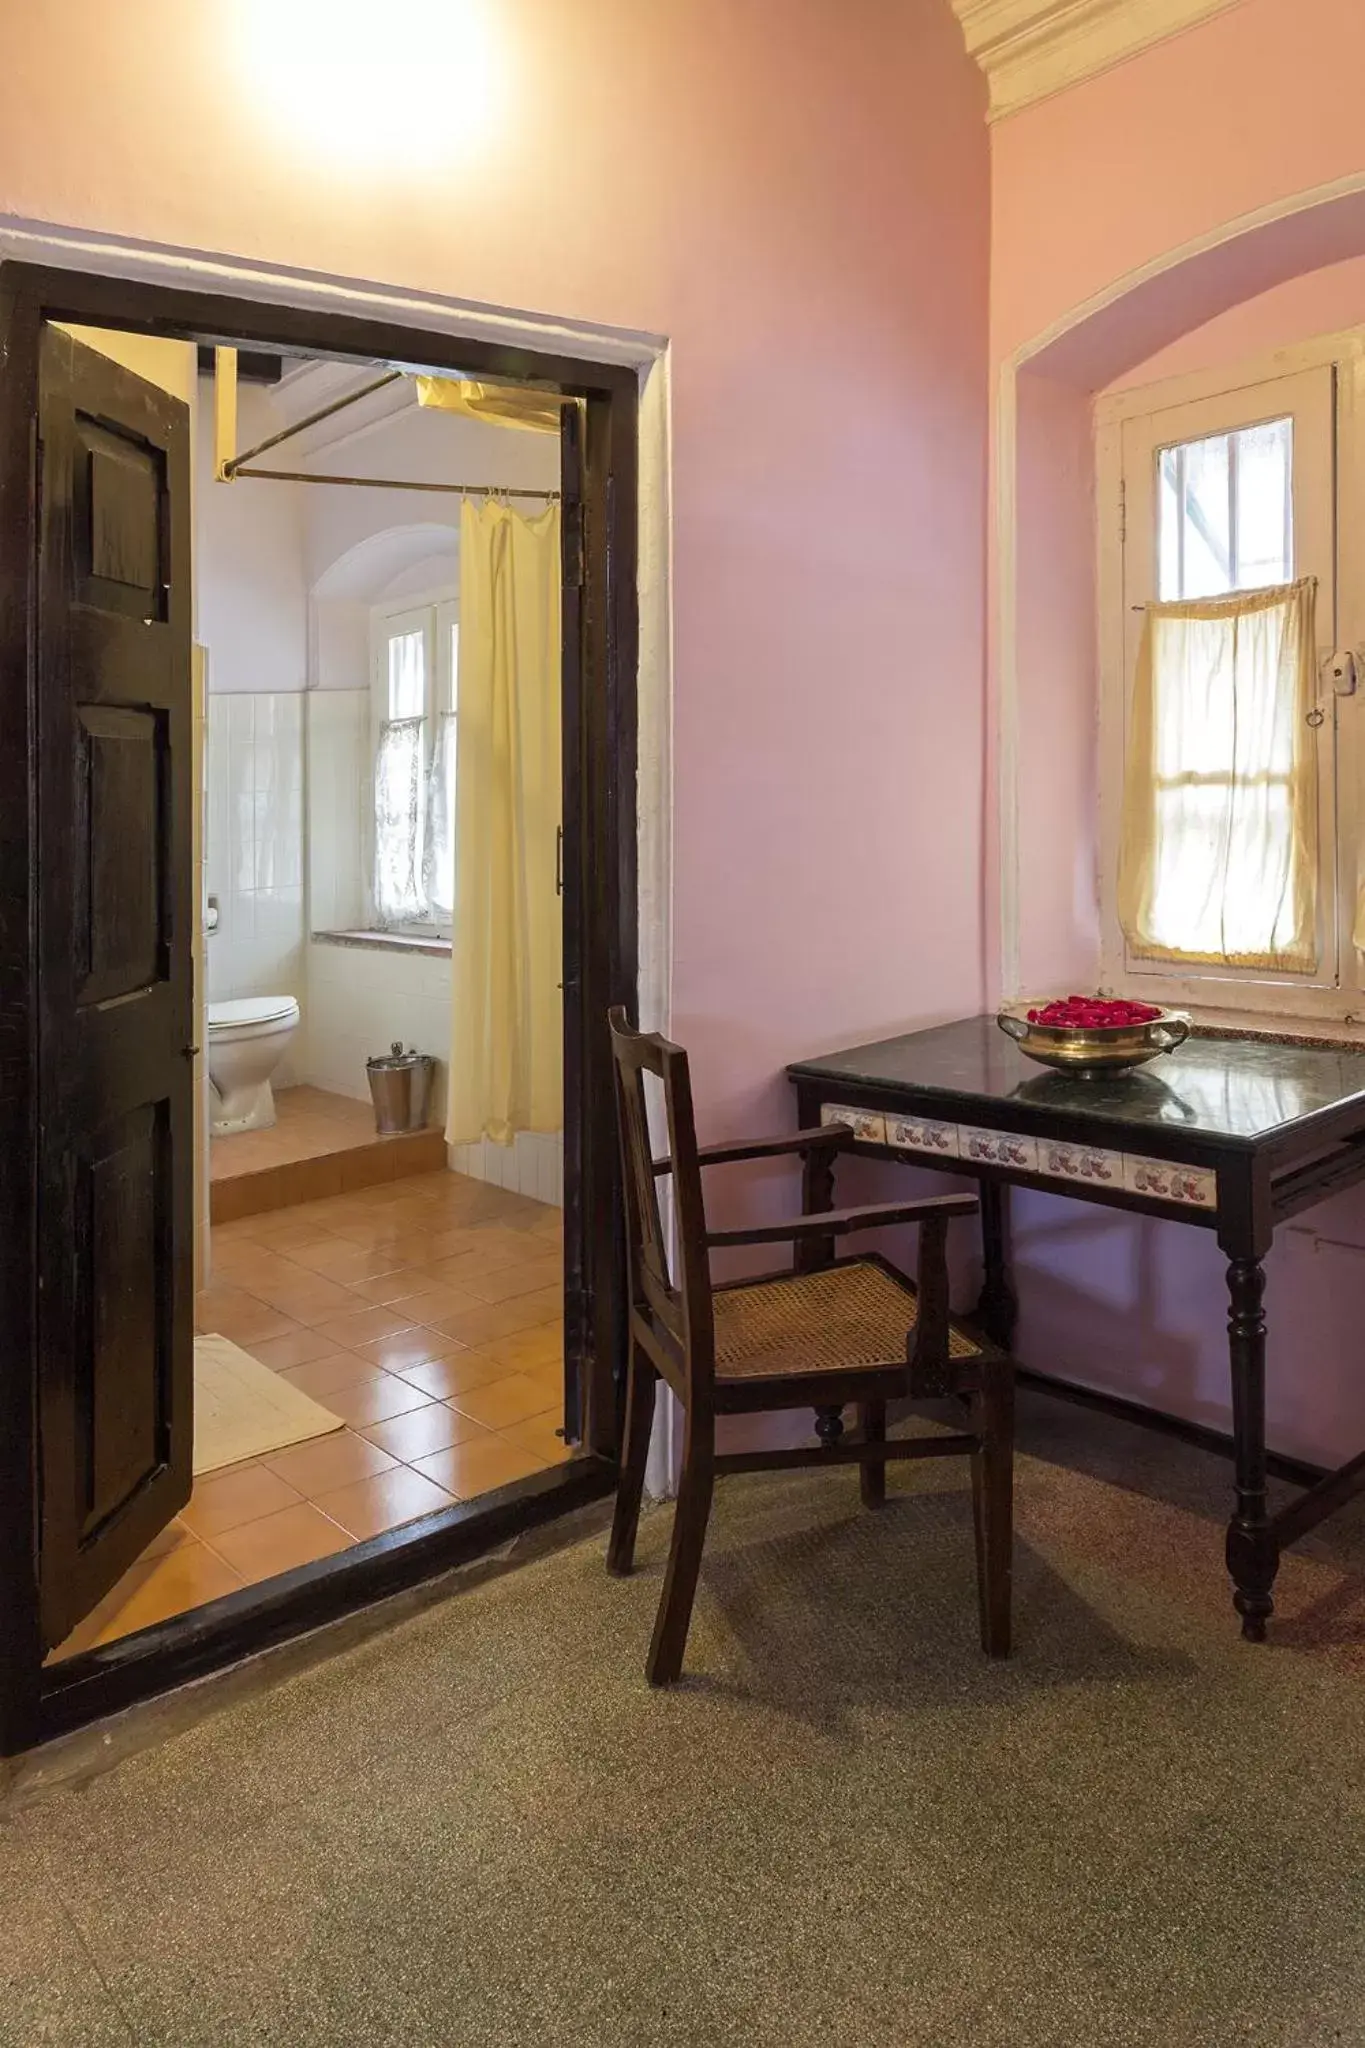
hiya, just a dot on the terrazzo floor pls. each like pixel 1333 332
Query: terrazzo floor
pixel 479 1827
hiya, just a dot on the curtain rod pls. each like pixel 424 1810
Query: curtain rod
pixel 393 483
pixel 234 466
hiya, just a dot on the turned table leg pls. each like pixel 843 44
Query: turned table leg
pixel 1252 1550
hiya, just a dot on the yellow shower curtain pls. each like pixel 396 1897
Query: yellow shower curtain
pixel 506 1061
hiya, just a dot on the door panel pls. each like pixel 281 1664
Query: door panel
pixel 116 998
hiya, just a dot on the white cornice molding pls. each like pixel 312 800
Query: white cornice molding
pixel 1030 49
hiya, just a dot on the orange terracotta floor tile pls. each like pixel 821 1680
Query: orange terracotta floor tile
pixel 421 1431
pixel 408 1348
pixel 386 1501
pixel 297 1347
pixel 188 1576
pixel 443 1378
pixel 475 1326
pixel 541 1345
pixel 309 1121
pixel 328 1462
pixel 479 1465
pixel 513 1281
pixel 242 1493
pixel 277 1543
pixel 500 1402
pixel 362 1298
pixel 363 1325
pixel 375 1400
pixel 320 1377
pixel 538 1435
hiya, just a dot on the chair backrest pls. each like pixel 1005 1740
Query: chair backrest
pixel 676 1303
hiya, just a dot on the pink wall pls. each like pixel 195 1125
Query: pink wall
pixel 1258 103
pixel 1328 301
pixel 803 211
pixel 1251 108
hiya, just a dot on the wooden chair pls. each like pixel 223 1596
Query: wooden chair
pixel 828 1333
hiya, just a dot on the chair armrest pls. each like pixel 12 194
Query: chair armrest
pixel 827 1137
pixel 842 1222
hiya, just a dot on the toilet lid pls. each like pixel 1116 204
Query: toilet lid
pixel 252 1010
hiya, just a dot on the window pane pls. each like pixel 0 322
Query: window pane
pixel 1225 512
pixel 1265 505
pixel 1170 578
pixel 407 674
pixel 1206 512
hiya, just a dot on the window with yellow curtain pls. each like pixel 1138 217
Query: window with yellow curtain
pixel 1219 853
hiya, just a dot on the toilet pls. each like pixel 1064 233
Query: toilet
pixel 247 1040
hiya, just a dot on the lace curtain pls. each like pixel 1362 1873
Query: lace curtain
pixel 414 812
pixel 438 869
pixel 400 805
pixel 1218 863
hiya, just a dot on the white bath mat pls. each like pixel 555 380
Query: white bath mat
pixel 242 1409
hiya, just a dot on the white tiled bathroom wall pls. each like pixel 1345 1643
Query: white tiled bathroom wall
pixel 254 847
pixel 532 1165
pixel 360 999
pixel 339 781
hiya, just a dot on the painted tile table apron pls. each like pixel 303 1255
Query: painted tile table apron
pixel 1232 1136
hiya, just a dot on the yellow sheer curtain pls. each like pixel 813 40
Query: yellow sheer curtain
pixel 506 1062
pixel 1218 862
pixel 505 405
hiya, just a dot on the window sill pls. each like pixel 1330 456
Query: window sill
pixel 385 942
pixel 1273 1030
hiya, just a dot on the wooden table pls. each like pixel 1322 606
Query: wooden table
pixel 1232 1136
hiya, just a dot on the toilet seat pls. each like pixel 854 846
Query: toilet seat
pixel 245 1011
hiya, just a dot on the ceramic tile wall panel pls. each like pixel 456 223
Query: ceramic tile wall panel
pixel 360 999
pixel 254 848
pixel 532 1165
pixel 339 782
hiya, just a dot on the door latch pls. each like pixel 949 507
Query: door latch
pixel 1341 671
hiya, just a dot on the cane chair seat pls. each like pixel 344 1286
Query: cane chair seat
pixel 843 1317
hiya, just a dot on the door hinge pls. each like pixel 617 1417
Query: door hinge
pixel 1123 509
pixel 37 491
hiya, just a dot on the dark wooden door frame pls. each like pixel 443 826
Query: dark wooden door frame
pixel 601 965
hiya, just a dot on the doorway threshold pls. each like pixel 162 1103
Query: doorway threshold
pixel 225 1632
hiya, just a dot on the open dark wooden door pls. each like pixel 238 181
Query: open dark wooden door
pixel 116 1125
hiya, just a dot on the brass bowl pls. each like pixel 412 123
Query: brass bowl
pixel 1104 1049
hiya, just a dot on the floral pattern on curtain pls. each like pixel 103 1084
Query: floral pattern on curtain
pixel 400 806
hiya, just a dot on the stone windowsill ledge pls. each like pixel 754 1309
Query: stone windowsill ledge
pixel 384 942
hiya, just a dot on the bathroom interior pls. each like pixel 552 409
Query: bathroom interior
pixel 379 1269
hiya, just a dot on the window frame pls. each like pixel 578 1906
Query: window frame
pixel 1337 992
pixel 435 613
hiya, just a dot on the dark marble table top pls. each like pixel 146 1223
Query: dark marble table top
pixel 1237 1091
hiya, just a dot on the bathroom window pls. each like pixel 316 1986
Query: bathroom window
pixel 414 667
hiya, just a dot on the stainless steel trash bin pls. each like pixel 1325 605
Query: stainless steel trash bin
pixel 400 1088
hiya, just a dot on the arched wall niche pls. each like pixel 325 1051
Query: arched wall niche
pixel 1126 1304
pixel 1045 623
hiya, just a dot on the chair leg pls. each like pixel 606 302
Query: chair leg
pixel 993 1505
pixel 872 1475
pixel 664 1662
pixel 630 1486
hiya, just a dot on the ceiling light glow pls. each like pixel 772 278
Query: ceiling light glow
pixel 352 84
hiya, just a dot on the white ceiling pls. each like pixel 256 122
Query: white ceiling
pixel 1030 49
